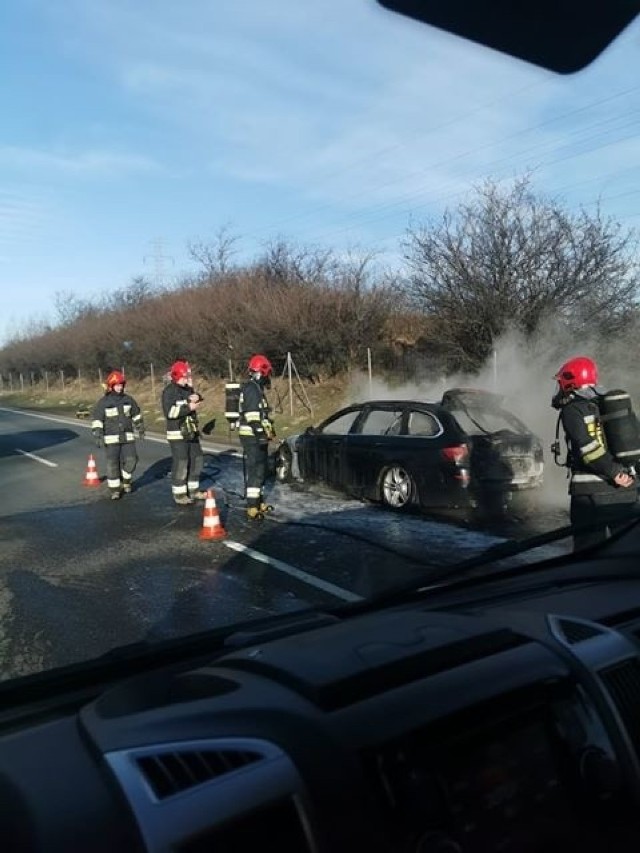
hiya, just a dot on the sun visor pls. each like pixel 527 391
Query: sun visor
pixel 560 35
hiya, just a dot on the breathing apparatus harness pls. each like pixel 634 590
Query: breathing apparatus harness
pixel 560 399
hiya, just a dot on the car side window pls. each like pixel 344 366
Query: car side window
pixel 382 422
pixel 423 423
pixel 341 425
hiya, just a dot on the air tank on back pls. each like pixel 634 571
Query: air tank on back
pixel 232 403
pixel 620 426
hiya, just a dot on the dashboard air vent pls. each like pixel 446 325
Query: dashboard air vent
pixel 623 684
pixel 168 773
pixel 576 631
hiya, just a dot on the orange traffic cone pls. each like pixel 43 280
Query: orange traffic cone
pixel 91 477
pixel 211 525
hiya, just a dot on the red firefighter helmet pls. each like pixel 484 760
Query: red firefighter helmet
pixel 577 372
pixel 180 370
pixel 115 378
pixel 260 364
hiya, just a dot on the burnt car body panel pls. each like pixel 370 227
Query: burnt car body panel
pixel 404 452
pixel 505 453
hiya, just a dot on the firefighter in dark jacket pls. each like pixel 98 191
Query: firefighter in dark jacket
pixel 114 417
pixel 256 429
pixel 180 405
pixel 603 493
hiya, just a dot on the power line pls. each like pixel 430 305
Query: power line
pixel 389 148
pixel 391 209
pixel 447 161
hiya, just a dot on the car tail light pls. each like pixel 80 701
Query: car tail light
pixel 458 454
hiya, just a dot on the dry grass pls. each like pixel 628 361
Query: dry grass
pixel 291 409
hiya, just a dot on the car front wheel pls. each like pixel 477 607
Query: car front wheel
pixel 397 488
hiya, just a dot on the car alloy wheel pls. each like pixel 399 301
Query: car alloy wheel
pixel 397 487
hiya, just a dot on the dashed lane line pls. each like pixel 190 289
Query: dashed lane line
pixel 209 446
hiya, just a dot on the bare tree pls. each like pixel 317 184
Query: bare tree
pixel 510 257
pixel 70 307
pixel 215 258
pixel 284 262
pixel 133 295
pixel 327 311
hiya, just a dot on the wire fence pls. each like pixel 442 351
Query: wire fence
pixel 407 365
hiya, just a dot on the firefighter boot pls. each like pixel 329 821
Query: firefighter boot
pixel 254 514
pixel 116 494
pixel 183 500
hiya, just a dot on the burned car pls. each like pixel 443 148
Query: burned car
pixel 464 451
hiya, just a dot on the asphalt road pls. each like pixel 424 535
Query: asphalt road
pixel 81 574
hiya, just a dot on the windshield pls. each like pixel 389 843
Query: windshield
pixel 224 222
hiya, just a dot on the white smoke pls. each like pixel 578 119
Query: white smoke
pixel 522 370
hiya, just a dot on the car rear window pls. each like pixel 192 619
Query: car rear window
pixel 484 420
pixel 423 423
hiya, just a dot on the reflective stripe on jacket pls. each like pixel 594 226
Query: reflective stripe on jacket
pixel 254 412
pixel 175 407
pixel 116 415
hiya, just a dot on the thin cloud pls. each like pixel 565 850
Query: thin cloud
pixel 292 98
pixel 22 219
pixel 86 163
pixel 338 121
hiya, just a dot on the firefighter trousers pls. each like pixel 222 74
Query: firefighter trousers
pixel 186 468
pixel 256 455
pixel 603 513
pixel 121 463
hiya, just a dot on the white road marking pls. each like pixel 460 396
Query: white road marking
pixel 299 574
pixel 56 418
pixel 209 446
pixel 37 458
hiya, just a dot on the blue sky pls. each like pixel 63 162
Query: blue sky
pixel 131 127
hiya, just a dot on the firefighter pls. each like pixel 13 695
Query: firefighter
pixel 603 493
pixel 180 405
pixel 114 417
pixel 256 430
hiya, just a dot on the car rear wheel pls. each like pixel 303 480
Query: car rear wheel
pixel 397 488
pixel 283 464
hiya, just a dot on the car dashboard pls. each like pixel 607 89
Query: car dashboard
pixel 511 724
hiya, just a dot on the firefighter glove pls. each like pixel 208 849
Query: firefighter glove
pixel 98 436
pixel 141 432
pixel 270 431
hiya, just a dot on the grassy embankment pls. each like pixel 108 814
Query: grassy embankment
pixel 324 398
